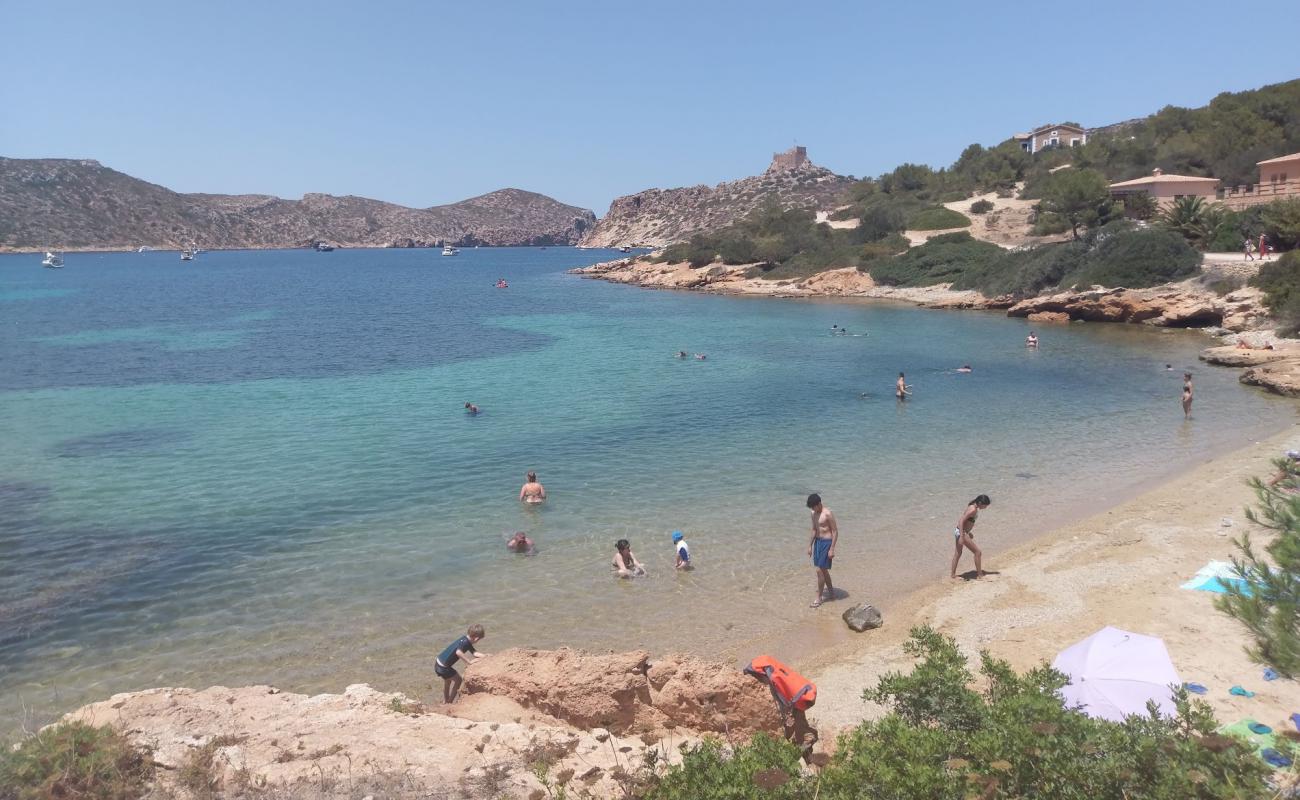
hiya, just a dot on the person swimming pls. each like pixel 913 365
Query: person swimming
pixel 1031 340
pixel 964 368
pixel 700 356
pixel 681 354
pixel 471 408
pixel 532 492
pixel 520 543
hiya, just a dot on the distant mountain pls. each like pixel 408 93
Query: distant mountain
pixel 657 217
pixel 79 204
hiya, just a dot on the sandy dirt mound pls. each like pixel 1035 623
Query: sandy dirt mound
pixel 625 693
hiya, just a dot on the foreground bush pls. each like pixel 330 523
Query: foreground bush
pixel 1012 738
pixel 75 760
pixel 981 206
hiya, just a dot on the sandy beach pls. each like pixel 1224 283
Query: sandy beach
pixel 1121 567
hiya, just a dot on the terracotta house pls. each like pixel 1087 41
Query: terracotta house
pixel 1059 135
pixel 1279 179
pixel 1165 189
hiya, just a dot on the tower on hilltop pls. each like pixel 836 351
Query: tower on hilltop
pixel 793 158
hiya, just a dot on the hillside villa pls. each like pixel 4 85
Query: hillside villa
pixel 1060 135
pixel 1165 189
pixel 1279 179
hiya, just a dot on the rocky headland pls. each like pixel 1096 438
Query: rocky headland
pixel 81 204
pixel 656 217
pixel 589 720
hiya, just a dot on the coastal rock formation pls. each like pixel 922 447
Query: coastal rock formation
pixel 1048 316
pixel 656 217
pixel 1233 356
pixel 625 693
pixel 1279 377
pixel 259 737
pixel 71 204
pixel 1173 306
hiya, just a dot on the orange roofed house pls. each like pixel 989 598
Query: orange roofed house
pixel 1165 189
pixel 1060 135
pixel 1279 179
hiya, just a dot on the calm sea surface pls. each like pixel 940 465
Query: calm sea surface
pixel 256 467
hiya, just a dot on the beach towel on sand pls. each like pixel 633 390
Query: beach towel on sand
pixel 1215 576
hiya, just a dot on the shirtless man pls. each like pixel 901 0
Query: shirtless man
pixel 821 547
pixel 532 492
pixel 901 389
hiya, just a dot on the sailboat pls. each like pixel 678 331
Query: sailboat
pixel 52 260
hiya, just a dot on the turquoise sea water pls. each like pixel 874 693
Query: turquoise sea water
pixel 256 467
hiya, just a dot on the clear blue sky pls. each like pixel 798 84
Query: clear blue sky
pixel 422 103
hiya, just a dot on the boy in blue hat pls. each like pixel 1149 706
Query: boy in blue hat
pixel 683 551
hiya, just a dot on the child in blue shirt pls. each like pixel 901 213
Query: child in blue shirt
pixel 683 551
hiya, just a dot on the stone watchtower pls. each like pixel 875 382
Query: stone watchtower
pixel 793 158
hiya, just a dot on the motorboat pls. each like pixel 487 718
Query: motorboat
pixel 625 249
pixel 144 248
pixel 52 260
pixel 448 250
pixel 187 254
pixel 324 247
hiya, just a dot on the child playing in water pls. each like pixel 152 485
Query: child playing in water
pixel 444 664
pixel 683 551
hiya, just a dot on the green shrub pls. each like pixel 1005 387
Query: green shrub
pixel 1136 258
pixel 1048 224
pixel 75 760
pixel 1280 281
pixel 878 221
pixel 1010 737
pixel 981 206
pixel 937 218
pixel 1281 221
pixel 942 259
pixel 1024 273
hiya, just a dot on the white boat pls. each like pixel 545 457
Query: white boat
pixel 448 250
pixel 625 249
pixel 187 254
pixel 52 260
pixel 144 248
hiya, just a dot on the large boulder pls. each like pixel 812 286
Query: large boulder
pixel 863 617
pixel 1280 377
pixel 1048 316
pixel 623 692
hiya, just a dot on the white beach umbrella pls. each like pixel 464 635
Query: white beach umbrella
pixel 1113 673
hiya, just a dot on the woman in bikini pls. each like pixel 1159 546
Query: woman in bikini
pixel 625 563
pixel 964 534
pixel 532 492
pixel 1187 395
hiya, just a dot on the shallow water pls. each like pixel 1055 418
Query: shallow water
pixel 257 468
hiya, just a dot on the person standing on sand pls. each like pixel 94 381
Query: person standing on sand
pixel 532 492
pixel 821 547
pixel 964 534
pixel 1187 395
pixel 901 390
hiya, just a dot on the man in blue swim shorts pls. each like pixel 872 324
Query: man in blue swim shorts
pixel 825 533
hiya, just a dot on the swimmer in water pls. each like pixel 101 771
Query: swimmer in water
pixel 1031 340
pixel 964 368
pixel 1169 367
pixel 532 492
pixel 625 563
pixel 520 543
pixel 902 390
pixel 700 356
pixel 471 408
pixel 681 354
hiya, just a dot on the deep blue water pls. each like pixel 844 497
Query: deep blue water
pixel 256 467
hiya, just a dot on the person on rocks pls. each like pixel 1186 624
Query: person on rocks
pixel 821 547
pixel 444 664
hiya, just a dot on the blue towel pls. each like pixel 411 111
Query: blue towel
pixel 1274 758
pixel 1196 688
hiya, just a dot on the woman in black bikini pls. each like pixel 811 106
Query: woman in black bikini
pixel 1187 395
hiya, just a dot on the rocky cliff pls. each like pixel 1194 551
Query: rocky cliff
pixel 657 217
pixel 72 204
